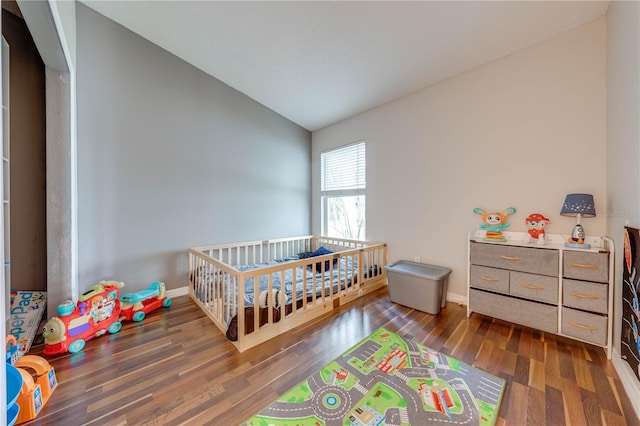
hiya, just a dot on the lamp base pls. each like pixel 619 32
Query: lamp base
pixel 578 246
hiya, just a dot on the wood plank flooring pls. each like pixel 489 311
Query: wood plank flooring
pixel 176 368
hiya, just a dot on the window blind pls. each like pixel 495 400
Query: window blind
pixel 343 168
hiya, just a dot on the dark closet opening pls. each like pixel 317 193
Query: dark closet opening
pixel 27 155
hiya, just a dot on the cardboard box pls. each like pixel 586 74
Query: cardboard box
pixel 27 310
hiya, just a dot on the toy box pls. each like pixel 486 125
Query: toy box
pixel 418 286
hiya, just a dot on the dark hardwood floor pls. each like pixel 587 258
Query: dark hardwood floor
pixel 176 368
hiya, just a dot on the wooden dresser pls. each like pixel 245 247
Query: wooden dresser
pixel 548 287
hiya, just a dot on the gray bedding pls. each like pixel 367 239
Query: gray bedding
pixel 301 276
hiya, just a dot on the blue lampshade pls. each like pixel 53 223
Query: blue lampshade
pixel 578 204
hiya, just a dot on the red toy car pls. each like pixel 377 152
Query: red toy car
pixel 97 312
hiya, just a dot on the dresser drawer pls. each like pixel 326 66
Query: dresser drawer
pixel 588 266
pixel 523 259
pixel 530 314
pixel 585 295
pixel 585 326
pixel 536 287
pixel 489 278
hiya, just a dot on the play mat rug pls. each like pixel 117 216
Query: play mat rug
pixel 389 379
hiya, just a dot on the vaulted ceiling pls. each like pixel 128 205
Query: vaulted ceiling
pixel 317 63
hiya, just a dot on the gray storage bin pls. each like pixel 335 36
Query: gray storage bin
pixel 417 285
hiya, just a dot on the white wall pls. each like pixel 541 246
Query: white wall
pixel 623 150
pixel 522 131
pixel 170 158
pixel 64 13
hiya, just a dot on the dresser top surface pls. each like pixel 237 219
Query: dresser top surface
pixel 554 241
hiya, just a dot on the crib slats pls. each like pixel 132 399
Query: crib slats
pixel 294 290
pixel 218 287
pixel 256 307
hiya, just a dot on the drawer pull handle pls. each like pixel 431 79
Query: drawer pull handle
pixel 586 327
pixel 585 265
pixel 584 296
pixel 489 279
pixel 509 258
pixel 532 287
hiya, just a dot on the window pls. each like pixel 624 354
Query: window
pixel 343 185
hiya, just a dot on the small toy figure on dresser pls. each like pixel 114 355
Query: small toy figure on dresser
pixel 536 223
pixel 494 223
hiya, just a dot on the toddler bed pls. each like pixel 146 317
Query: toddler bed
pixel 257 290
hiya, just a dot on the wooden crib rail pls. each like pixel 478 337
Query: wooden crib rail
pixel 213 286
pixel 218 288
pixel 255 252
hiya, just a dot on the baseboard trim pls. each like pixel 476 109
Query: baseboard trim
pixel 451 297
pixel 456 298
pixel 180 291
pixel 628 379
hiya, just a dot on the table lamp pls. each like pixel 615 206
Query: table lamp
pixel 579 205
